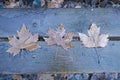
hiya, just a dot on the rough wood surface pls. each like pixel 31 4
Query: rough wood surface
pixel 77 59
pixel 73 20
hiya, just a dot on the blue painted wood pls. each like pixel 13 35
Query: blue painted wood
pixel 77 59
pixel 73 19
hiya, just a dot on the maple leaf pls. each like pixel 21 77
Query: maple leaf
pixel 16 76
pixel 45 77
pixel 55 3
pixel 25 40
pixel 59 37
pixel 12 4
pixel 43 2
pixel 94 38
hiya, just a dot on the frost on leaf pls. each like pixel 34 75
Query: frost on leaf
pixel 25 40
pixel 59 37
pixel 94 38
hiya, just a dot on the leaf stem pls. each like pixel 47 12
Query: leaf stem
pixel 56 53
pixel 97 55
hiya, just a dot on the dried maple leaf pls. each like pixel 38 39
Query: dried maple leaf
pixel 26 41
pixel 55 3
pixel 45 77
pixel 16 76
pixel 42 2
pixel 94 38
pixel 59 37
pixel 12 4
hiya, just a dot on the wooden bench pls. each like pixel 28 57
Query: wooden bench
pixel 78 58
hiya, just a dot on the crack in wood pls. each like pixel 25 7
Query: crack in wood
pixel 41 38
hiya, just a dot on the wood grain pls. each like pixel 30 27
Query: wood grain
pixel 77 59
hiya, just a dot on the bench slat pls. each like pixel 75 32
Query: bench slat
pixel 76 20
pixel 77 59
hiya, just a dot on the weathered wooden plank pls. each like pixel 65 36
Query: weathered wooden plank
pixel 76 59
pixel 77 20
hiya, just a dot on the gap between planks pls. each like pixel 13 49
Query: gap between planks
pixel 111 38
